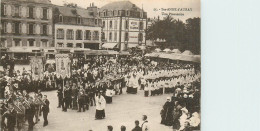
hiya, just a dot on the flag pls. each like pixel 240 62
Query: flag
pixel 63 65
pixel 36 68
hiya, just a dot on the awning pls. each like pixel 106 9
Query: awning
pixel 23 49
pixel 154 54
pixel 132 45
pixel 109 45
pixel 111 52
pixel 124 53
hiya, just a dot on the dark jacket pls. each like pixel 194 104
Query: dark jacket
pixel 45 108
pixel 137 128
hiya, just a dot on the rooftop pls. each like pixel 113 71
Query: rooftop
pixel 33 1
pixel 120 5
pixel 74 11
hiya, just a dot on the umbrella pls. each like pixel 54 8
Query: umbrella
pixel 158 50
pixel 167 50
pixel 177 51
pixel 187 52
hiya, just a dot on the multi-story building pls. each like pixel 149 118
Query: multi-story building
pixel 124 25
pixel 26 27
pixel 76 29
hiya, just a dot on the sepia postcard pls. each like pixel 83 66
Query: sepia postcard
pixel 100 65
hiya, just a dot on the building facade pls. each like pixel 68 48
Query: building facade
pixel 76 29
pixel 124 25
pixel 26 27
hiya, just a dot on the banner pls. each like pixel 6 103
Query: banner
pixel 36 68
pixel 62 65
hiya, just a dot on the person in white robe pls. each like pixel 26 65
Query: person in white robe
pixel 100 106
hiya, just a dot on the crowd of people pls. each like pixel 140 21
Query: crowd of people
pixel 143 127
pixel 19 108
pixel 96 82
pixel 182 110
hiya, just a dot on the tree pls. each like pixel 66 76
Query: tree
pixel 72 5
pixel 193 35
pixel 169 29
pixel 184 36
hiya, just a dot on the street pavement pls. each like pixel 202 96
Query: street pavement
pixel 124 110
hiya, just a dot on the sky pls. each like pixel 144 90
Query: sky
pixel 149 6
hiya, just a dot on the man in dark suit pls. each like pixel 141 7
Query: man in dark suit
pixel 10 114
pixel 30 114
pixel 60 96
pixel 45 110
pixel 66 98
pixel 137 127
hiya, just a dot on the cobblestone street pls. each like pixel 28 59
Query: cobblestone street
pixel 124 110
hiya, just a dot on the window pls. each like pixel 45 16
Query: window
pixel 31 12
pixel 115 36
pixel 79 45
pixel 70 34
pixel 31 42
pixel 115 13
pixel 79 35
pixel 5 27
pixel 17 42
pixel 44 13
pixel 60 45
pixel 110 24
pixel 87 35
pixel 126 36
pixel 17 28
pixel 44 29
pixel 44 43
pixel 109 13
pixel 60 18
pixel 115 25
pixel 126 24
pixel 141 25
pixel 3 9
pixel 104 24
pixel 2 44
pixel 110 36
pixel 140 37
pixel 96 21
pixel 78 20
pixel 70 45
pixel 103 36
pixel 141 14
pixel 30 29
pixel 127 13
pixel 96 35
pixel 17 11
pixel 60 34
pixel 13 27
